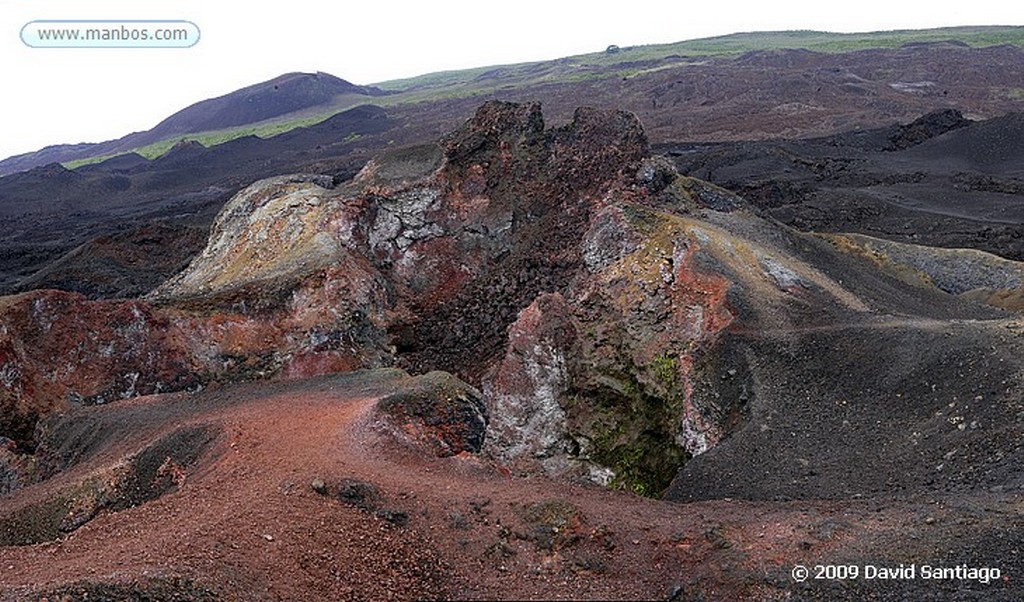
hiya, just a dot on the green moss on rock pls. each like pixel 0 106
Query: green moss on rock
pixel 631 431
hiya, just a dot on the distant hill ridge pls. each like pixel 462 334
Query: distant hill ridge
pixel 285 94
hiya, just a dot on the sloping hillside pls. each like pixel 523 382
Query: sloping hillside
pixel 870 79
pixel 941 180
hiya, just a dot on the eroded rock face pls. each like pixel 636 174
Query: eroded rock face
pixel 529 429
pixel 599 383
pixel 270 229
pixel 59 348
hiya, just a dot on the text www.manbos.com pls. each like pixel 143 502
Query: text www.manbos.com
pixel 96 34
pixel 108 35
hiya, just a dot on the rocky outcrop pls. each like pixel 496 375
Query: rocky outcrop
pixel 58 348
pixel 598 383
pixel 924 128
pixel 269 230
pixel 530 428
pixel 454 240
pixel 967 272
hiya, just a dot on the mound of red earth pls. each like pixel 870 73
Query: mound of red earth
pixel 608 330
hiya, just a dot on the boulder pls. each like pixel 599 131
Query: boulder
pixel 438 412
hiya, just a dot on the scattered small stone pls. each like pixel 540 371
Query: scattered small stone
pixel 676 593
pixel 397 518
pixel 318 486
pixel 361 494
pixel 457 521
pixel 930 520
pixel 268 537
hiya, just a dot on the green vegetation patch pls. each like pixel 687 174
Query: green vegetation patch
pixel 631 427
pixel 266 129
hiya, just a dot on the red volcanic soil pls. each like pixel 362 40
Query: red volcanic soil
pixel 304 496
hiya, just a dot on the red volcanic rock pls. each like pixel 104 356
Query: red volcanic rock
pixel 430 253
pixel 57 348
pixel 514 202
pixel 597 148
pixel 604 374
pixel 499 137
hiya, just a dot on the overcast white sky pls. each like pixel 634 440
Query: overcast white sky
pixel 53 96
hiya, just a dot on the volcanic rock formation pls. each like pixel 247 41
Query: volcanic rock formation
pixel 578 309
pixel 582 284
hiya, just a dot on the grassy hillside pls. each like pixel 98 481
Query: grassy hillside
pixel 263 130
pixel 624 62
pixel 734 44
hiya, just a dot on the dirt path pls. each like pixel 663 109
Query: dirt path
pixel 883 323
